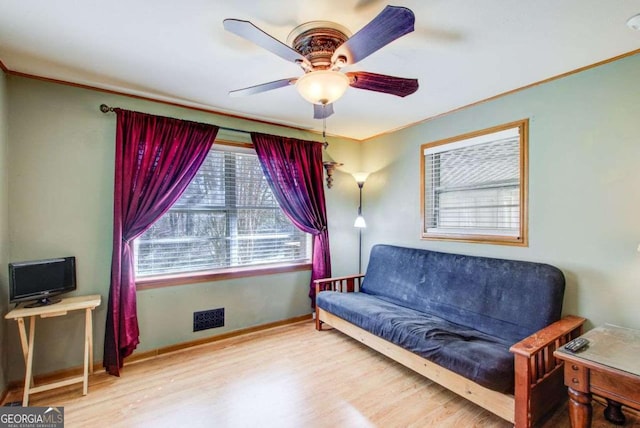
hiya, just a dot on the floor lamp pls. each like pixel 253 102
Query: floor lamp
pixel 360 178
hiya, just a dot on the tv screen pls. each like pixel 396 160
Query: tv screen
pixel 40 280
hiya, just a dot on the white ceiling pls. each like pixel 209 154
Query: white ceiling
pixel 462 51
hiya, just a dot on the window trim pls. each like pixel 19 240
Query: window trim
pixel 185 278
pixel 151 282
pixel 523 239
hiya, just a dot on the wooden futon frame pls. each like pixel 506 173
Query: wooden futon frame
pixel 538 374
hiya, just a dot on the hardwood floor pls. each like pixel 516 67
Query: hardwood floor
pixel 290 376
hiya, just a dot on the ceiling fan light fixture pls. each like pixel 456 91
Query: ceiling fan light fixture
pixel 322 86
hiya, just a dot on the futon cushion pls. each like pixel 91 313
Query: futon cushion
pixel 475 355
pixel 509 299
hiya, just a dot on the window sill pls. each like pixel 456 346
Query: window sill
pixel 480 239
pixel 217 275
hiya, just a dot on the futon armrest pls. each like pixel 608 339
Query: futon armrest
pixel 347 283
pixel 344 284
pixel 559 333
pixel 538 374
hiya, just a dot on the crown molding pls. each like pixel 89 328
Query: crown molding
pixel 512 91
pixel 265 122
pixel 166 102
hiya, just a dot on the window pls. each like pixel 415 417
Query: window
pixel 227 219
pixel 474 186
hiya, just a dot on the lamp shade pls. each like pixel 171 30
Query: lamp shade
pixel 360 177
pixel 360 223
pixel 323 86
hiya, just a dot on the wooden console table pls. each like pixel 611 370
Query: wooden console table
pixel 609 367
pixel 88 303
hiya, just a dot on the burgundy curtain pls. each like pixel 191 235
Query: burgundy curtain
pixel 295 173
pixel 156 159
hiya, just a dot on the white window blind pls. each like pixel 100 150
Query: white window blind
pixel 227 217
pixel 472 186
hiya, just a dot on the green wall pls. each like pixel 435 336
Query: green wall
pixel 584 188
pixel 583 198
pixel 61 157
pixel 4 229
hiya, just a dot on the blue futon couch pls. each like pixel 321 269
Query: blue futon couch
pixel 460 320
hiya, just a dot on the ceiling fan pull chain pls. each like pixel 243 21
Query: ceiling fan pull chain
pixel 324 127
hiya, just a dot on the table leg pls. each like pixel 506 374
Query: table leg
pixel 29 372
pixel 24 342
pixel 613 413
pixel 90 333
pixel 580 409
pixel 87 340
pixel 23 338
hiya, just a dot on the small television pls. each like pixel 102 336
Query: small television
pixel 41 281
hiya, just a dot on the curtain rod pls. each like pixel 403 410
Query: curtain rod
pixel 106 109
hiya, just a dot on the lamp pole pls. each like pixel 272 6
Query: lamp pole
pixel 360 178
pixel 360 184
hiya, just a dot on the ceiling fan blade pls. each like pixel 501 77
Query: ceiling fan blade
pixel 263 87
pixel 398 86
pixel 391 23
pixel 322 111
pixel 248 31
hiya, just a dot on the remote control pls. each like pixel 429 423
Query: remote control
pixel 576 344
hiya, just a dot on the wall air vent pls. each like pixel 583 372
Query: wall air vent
pixel 211 318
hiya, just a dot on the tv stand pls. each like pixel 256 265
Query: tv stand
pixel 43 302
pixel 88 303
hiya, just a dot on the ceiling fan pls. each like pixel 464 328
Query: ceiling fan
pixel 323 48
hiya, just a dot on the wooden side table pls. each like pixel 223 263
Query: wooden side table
pixel 609 367
pixel 88 303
